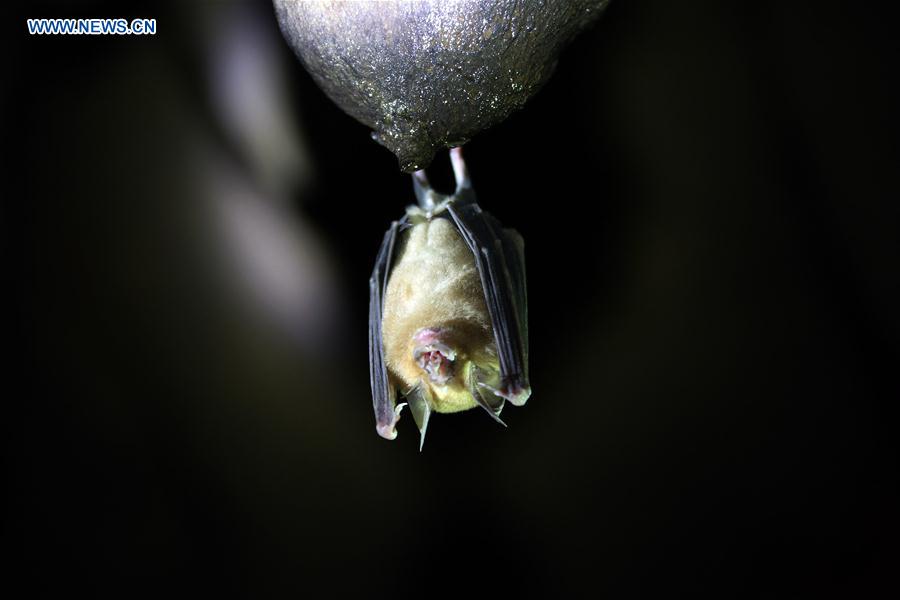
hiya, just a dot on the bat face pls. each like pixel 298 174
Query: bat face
pixel 447 311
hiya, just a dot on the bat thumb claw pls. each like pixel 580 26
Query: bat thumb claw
pixel 388 430
pixel 516 393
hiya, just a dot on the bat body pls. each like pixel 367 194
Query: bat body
pixel 435 318
pixel 448 311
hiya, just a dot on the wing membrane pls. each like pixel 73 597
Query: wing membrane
pixel 384 395
pixel 499 258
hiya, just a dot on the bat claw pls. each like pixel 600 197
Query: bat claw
pixel 388 432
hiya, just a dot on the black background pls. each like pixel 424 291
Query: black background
pixel 708 194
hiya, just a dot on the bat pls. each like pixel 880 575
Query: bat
pixel 447 310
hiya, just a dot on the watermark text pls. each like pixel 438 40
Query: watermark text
pixel 91 26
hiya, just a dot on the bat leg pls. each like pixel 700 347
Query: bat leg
pixel 421 186
pixel 460 172
pixel 427 198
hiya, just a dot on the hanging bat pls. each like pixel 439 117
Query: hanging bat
pixel 447 310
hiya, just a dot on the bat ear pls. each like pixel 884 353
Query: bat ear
pixel 420 400
pixel 482 391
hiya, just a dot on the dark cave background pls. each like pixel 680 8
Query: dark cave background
pixel 708 195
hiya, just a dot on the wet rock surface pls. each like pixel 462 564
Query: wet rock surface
pixel 426 75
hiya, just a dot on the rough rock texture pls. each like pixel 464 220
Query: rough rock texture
pixel 427 74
